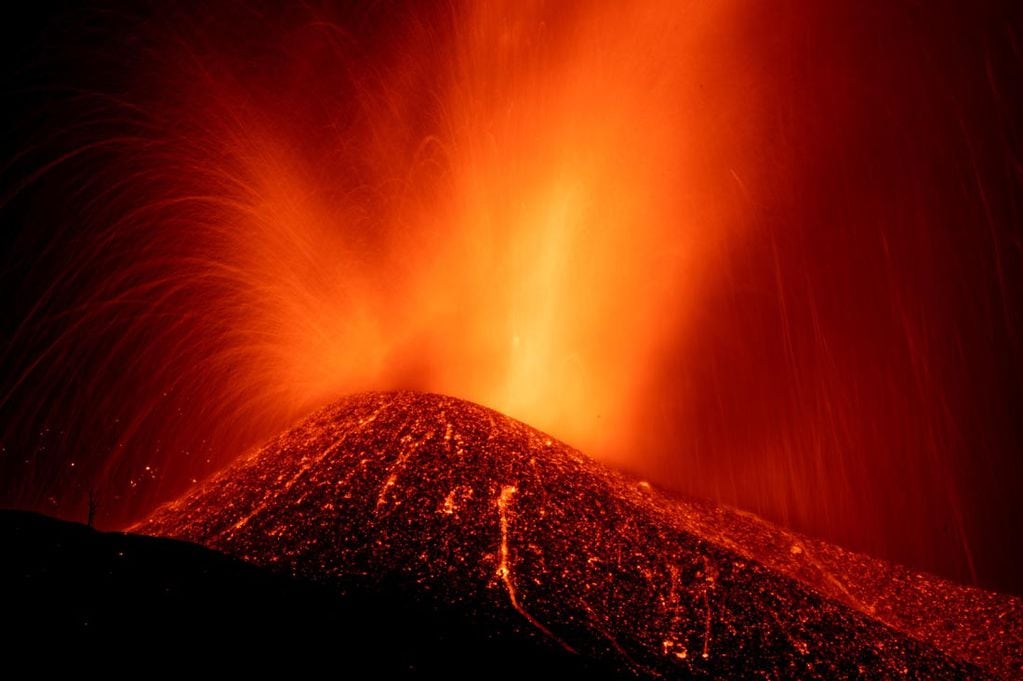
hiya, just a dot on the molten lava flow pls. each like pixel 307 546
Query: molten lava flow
pixel 477 509
pixel 505 562
pixel 764 253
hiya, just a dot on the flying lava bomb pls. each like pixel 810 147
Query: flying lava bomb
pixel 691 333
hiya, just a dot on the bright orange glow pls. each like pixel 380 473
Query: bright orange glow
pixel 529 253
pixel 581 203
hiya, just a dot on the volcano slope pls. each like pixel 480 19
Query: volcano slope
pixel 476 511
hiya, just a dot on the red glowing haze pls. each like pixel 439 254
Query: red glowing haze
pixel 763 253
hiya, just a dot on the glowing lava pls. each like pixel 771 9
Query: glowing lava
pixel 473 507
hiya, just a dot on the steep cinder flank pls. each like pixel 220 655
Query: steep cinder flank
pixel 483 513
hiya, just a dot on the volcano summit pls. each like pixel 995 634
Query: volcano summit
pixel 471 509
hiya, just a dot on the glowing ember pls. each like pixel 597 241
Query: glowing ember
pixel 474 507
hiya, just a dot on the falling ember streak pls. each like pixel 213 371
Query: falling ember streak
pixel 706 625
pixel 408 450
pixel 504 566
pixel 388 484
pixel 449 506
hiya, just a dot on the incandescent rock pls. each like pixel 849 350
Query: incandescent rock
pixel 478 511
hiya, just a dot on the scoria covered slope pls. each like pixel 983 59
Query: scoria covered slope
pixel 476 510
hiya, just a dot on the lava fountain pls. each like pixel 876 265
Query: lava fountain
pixel 765 255
pixel 331 205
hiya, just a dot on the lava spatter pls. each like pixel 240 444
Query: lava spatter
pixel 472 507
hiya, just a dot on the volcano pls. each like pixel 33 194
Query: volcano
pixel 469 508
